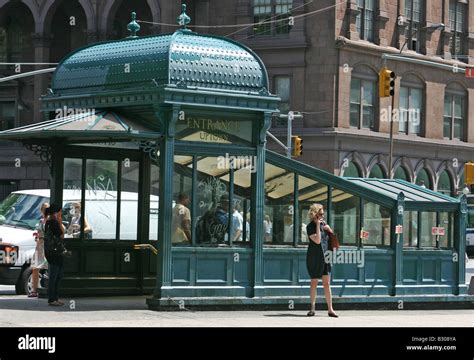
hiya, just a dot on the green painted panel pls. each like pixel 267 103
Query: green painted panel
pixel 72 264
pixel 128 261
pixel 428 270
pixel 211 270
pixel 279 269
pixel 447 268
pixel 345 272
pixel 378 270
pixel 242 271
pixel 99 261
pixel 181 270
pixel 303 275
pixel 410 270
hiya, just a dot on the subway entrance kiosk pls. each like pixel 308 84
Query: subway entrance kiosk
pixel 148 132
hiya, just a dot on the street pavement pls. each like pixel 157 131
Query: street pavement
pixel 21 311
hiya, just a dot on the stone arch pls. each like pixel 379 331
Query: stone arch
pixel 109 13
pixel 428 166
pixel 377 159
pixel 51 7
pixel 357 160
pixel 402 162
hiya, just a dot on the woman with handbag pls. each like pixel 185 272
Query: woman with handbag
pixel 319 242
pixel 54 251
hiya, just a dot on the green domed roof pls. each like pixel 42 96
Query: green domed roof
pixel 183 59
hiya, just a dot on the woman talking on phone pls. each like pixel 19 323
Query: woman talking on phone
pixel 317 267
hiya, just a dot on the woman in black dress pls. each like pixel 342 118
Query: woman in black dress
pixel 315 261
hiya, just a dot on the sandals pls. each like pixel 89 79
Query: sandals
pixel 33 295
pixel 311 313
pixel 333 314
pixel 56 303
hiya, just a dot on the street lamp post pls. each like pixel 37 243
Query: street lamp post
pixel 437 26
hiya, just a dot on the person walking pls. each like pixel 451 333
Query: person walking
pixel 39 260
pixel 53 235
pixel 316 265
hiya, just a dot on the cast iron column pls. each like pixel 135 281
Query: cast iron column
pixel 258 204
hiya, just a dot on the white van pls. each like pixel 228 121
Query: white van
pixel 20 213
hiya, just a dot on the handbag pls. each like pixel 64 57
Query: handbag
pixel 333 241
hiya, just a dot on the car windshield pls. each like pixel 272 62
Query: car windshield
pixel 21 210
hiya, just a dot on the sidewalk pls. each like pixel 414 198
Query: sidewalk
pixel 133 312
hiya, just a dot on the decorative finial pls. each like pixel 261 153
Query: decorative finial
pixel 133 26
pixel 183 19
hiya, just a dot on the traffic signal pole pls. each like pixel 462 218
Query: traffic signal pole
pixel 289 133
pixel 390 153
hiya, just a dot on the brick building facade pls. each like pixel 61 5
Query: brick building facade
pixel 324 65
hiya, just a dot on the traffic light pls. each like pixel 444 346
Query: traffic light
pixel 296 146
pixel 469 173
pixel 386 82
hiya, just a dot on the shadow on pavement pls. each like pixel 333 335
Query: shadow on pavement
pixel 78 304
pixel 286 315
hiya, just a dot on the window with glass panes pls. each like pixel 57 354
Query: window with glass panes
pixel 7 115
pixel 414 18
pixel 362 110
pixel 272 16
pixel 457 23
pixel 411 102
pixel 365 19
pixel 454 117
pixel 282 88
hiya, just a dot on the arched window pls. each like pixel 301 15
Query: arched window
pixel 351 170
pixel 68 25
pixel 423 179
pixel 377 172
pixel 401 174
pixel 445 185
pixel 121 18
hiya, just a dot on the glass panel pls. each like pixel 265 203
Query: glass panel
pixel 428 221
pixel 129 200
pixel 240 220
pixel 402 125
pixel 101 198
pixel 310 192
pixel 448 105
pixel 72 197
pixel 7 115
pixel 262 12
pixel 458 129
pixel 182 193
pixel 410 228
pixel 214 130
pixel 22 210
pixel 279 209
pixel 355 102
pixel 377 224
pixel 345 216
pixel 415 111
pixel 213 202
pixel 446 221
pixel 458 111
pixel 447 127
pixel 354 115
pixel 154 196
pixel 282 11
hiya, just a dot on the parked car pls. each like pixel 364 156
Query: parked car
pixel 19 215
